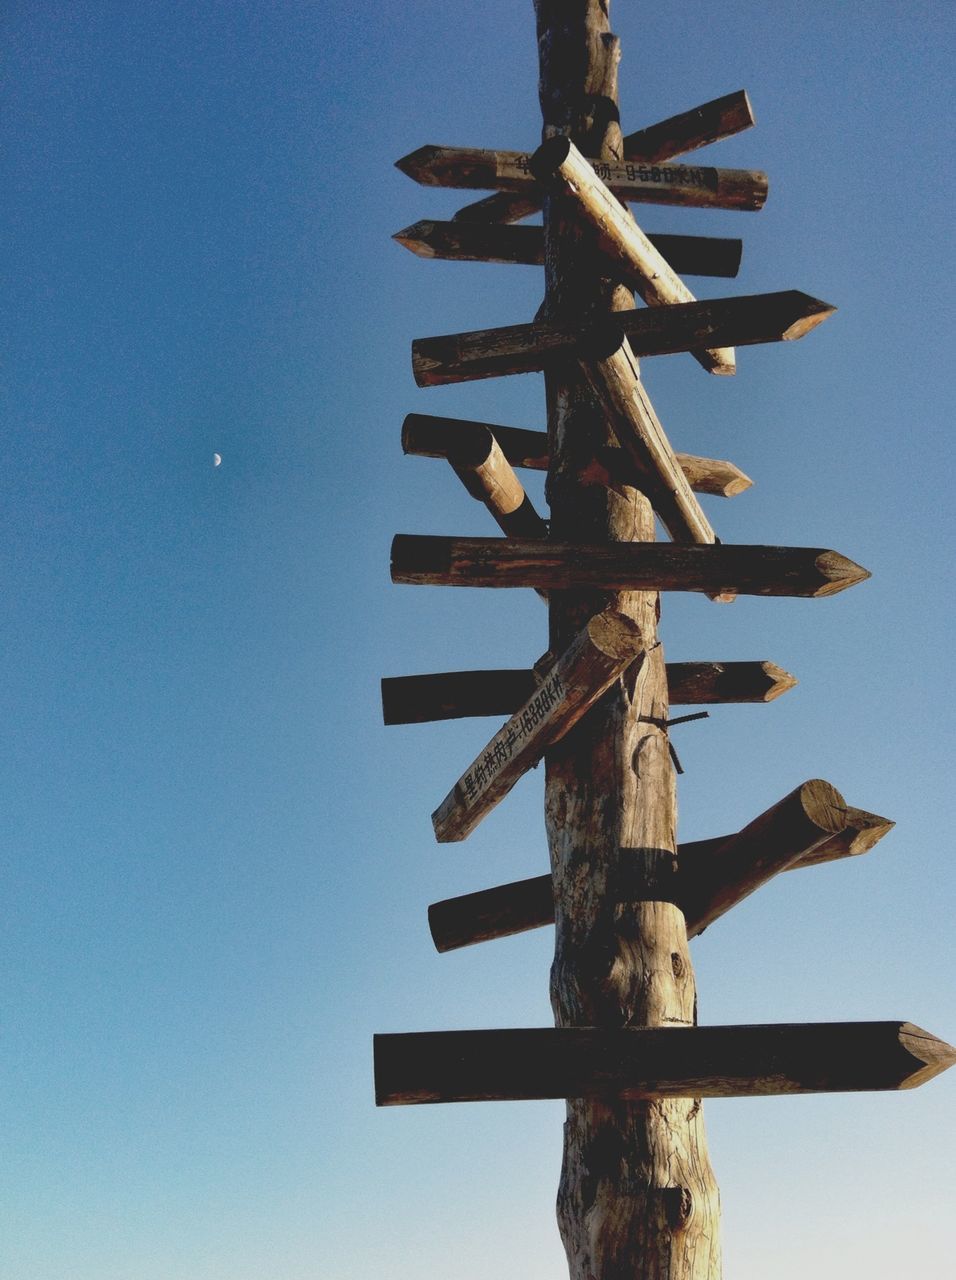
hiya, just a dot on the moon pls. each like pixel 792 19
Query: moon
pixel 216 459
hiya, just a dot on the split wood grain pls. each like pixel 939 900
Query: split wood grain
pixel 427 436
pixel 699 186
pixel 807 572
pixel 688 326
pixel 494 242
pixel 604 648
pixel 630 255
pixel 656 1062
pixel 513 908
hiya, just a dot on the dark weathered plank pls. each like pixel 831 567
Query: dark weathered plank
pixel 450 695
pixel 688 326
pixel 426 436
pixel 655 1062
pixel 528 904
pixel 475 168
pixel 555 566
pixel 606 646
pixel 496 242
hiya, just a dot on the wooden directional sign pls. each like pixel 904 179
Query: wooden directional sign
pixel 627 250
pixel 688 326
pixel 675 136
pixel 450 695
pixel 712 874
pixel 495 242
pixel 473 168
pixel 602 650
pixel 619 566
pixel 655 1062
pixel 426 436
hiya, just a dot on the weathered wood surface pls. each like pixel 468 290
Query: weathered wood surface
pixel 495 242
pixel 637 1194
pixel 476 168
pixel 688 326
pixel 450 695
pixel 604 648
pixel 676 136
pixel 689 130
pixel 629 253
pixel 656 1062
pixel 423 560
pixel 630 415
pixel 529 904
pixel 480 464
pixel 424 435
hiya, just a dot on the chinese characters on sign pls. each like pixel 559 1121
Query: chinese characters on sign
pixel 513 736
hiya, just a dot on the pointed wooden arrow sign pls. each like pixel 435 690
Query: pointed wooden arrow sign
pixel 529 348
pixel 427 436
pixel 713 874
pixel 655 1062
pixel 450 695
pixel 675 136
pixel 421 560
pixel 601 651
pixel 474 168
pixel 494 242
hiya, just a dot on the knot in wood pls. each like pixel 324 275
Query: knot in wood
pixel 678 1206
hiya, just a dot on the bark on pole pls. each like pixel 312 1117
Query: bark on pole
pixel 637 1196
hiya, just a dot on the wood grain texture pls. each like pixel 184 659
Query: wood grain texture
pixel 630 255
pixel 422 560
pixel 427 436
pixel 608 644
pixel 687 326
pixel 529 904
pixel 450 695
pixel 656 1062
pixel 495 242
pixel 698 186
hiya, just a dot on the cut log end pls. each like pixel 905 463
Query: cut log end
pixel 781 681
pixel 415 238
pixel 838 573
pixel 814 313
pixel 931 1056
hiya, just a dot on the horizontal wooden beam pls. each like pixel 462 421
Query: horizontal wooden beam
pixel 637 1063
pixel 722 118
pixel 528 904
pixel 475 168
pixel 560 167
pixel 426 436
pixel 689 326
pixel 602 650
pixel 494 242
pixel 450 695
pixel 677 135
pixel 662 566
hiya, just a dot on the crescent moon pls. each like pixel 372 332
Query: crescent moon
pixel 216 459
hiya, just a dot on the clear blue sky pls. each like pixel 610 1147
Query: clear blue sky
pixel 215 860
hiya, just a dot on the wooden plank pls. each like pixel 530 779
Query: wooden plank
pixel 426 436
pixel 633 1063
pixel 451 695
pixel 494 242
pixel 602 650
pixel 630 255
pixel 557 566
pixel 711 122
pixel 513 908
pixel 676 136
pixel 529 348
pixel 699 186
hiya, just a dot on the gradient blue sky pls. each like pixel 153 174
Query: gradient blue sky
pixel 215 860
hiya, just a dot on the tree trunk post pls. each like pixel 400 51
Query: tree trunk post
pixel 637 1197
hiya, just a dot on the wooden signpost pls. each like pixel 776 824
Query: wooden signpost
pixel 637 1196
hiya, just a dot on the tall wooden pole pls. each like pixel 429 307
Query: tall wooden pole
pixel 637 1197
